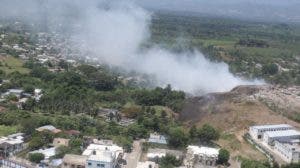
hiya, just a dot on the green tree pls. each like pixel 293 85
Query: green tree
pixel 223 156
pixel 270 69
pixel 193 132
pixel 61 151
pixel 137 131
pixel 36 157
pixel 177 137
pixel 207 133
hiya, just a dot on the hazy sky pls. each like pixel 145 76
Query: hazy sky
pixel 282 10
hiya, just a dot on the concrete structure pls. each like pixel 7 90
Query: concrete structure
pixel 270 137
pixel 258 131
pixel 50 128
pixel 103 156
pixel 17 92
pixel 289 151
pixel 154 154
pixel 197 157
pixel 11 163
pixel 49 152
pixel 156 138
pixel 11 144
pixel 74 161
pixel 57 142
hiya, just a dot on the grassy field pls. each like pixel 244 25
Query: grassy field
pixel 7 130
pixel 11 64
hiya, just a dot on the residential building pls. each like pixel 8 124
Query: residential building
pixel 15 163
pixel 57 142
pixel 289 151
pixel 74 161
pixel 270 137
pixel 22 102
pixel 102 159
pixel 17 92
pixel 156 138
pixel 48 152
pixel 154 154
pixel 103 156
pixel 198 157
pixel 11 144
pixel 257 131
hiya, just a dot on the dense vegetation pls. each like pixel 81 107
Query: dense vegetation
pixel 252 49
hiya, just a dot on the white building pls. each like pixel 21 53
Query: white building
pixel 157 138
pixel 11 144
pixel 197 157
pixel 270 137
pixel 48 152
pixel 102 156
pixel 258 131
pixel 155 154
pixel 289 151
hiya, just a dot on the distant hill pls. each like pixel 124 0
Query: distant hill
pixel 275 10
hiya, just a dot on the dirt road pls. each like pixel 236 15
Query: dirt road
pixel 133 157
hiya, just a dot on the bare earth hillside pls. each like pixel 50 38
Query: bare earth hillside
pixel 233 112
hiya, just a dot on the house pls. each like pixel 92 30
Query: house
pixel 197 157
pixel 50 128
pixel 57 142
pixel 16 92
pixel 74 161
pixel 270 137
pixel 156 138
pixel 256 132
pixel 11 144
pixel 15 163
pixel 21 103
pixel 147 164
pixel 37 94
pixel 104 159
pixel 289 151
pixel 154 154
pixel 48 152
pixel 106 156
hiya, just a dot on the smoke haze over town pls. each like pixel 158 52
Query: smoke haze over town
pixel 113 33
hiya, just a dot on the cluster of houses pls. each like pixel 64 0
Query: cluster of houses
pixel 282 139
pixel 101 153
pixel 22 96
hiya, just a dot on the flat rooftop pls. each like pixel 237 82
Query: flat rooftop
pixel 283 133
pixel 271 126
pixel 75 159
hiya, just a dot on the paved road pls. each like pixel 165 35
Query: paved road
pixel 134 157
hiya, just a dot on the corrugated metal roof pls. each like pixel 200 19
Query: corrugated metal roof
pixel 271 126
pixel 284 133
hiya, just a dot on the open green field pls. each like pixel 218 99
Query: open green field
pixel 7 130
pixel 10 64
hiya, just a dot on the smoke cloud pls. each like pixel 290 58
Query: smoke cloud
pixel 113 32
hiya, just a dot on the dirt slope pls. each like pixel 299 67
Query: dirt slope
pixel 233 112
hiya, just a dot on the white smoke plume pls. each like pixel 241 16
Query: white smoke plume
pixel 113 31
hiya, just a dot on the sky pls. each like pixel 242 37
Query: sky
pixel 274 10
